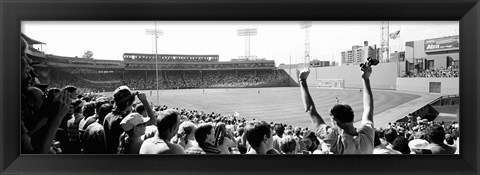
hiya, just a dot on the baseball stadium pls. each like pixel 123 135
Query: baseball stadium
pixel 257 89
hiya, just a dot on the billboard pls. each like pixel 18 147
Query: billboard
pixel 331 83
pixel 442 44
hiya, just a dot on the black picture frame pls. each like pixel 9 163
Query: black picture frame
pixel 13 12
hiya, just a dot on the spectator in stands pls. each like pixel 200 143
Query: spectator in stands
pixel 436 136
pixel 381 148
pixel 390 135
pixel 259 137
pixel 134 126
pixel 288 145
pixel 40 141
pixel 401 144
pixel 72 146
pixel 88 110
pixel 222 140
pixel 352 141
pixel 102 108
pixel 311 143
pixel 298 136
pixel 167 126
pixel 123 98
pixel 241 142
pixel 34 101
pixel 93 139
pixel 205 136
pixel 187 128
pixel 449 139
pixel 279 131
pixel 419 146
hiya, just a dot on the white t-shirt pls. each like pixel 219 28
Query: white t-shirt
pixel 348 144
pixel 362 143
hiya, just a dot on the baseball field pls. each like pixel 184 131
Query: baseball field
pixel 278 105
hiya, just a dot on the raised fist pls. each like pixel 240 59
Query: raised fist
pixel 141 96
pixel 366 73
pixel 304 73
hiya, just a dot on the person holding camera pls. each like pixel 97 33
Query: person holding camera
pixel 343 137
pixel 47 116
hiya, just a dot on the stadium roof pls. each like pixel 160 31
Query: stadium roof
pixel 30 40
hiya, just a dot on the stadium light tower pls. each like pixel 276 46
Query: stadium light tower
pixel 155 33
pixel 306 25
pixel 247 32
pixel 384 41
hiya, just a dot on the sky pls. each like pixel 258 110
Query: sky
pixel 283 42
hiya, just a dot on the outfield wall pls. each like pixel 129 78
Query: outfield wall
pixel 447 85
pixel 383 77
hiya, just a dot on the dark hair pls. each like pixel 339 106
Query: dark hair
pixel 390 135
pixel 99 103
pixel 220 132
pixel 401 144
pixel 202 131
pixel 103 111
pixel 342 113
pixel 139 108
pixel 88 109
pixel 166 121
pixel 279 130
pixel 435 134
pixel 288 144
pixel 255 132
pixel 376 140
pixel 241 130
pixel 77 104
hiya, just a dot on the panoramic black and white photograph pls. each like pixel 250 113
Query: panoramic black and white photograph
pixel 240 87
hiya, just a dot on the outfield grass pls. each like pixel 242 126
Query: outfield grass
pixel 280 105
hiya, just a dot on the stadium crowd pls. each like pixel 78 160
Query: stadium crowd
pixel 449 72
pixel 99 82
pixel 65 121
pixel 171 58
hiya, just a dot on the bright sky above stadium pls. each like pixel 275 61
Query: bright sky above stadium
pixel 274 40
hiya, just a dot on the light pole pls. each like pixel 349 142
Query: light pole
pixel 306 25
pixel 155 32
pixel 247 32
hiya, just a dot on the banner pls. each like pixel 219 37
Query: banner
pixel 331 83
pixel 442 44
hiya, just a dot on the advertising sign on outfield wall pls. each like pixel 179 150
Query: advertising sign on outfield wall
pixel 331 83
pixel 442 44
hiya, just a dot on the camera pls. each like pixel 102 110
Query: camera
pixel 370 62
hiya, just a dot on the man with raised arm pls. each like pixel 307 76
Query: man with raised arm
pixel 343 137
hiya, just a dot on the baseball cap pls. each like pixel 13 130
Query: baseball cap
pixel 132 120
pixel 417 144
pixel 123 94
